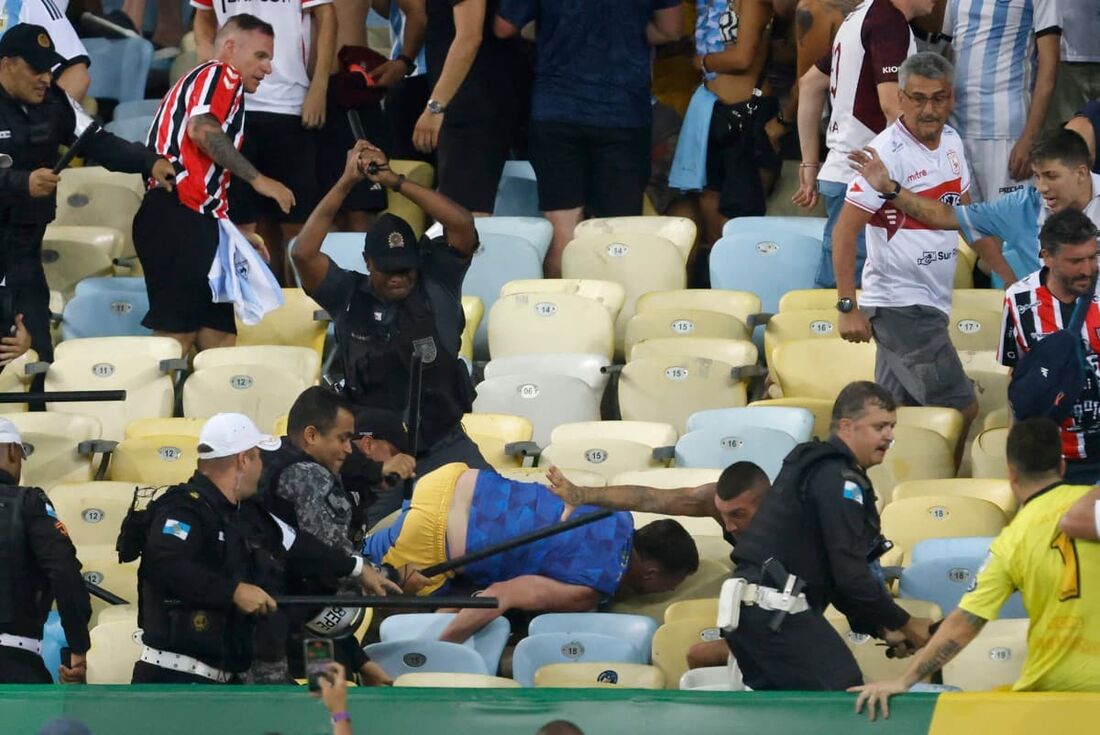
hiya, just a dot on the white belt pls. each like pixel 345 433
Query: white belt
pixel 767 598
pixel 186 664
pixel 25 644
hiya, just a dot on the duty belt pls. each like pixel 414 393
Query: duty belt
pixel 24 644
pixel 186 664
pixel 737 592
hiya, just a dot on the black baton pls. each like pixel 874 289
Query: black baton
pixel 89 132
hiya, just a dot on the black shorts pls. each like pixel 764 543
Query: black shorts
pixel 604 170
pixel 336 140
pixel 471 157
pixel 176 246
pixel 281 149
pixel 404 103
pixel 737 150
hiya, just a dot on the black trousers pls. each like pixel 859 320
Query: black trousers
pixel 21 265
pixel 146 673
pixel 807 654
pixel 22 667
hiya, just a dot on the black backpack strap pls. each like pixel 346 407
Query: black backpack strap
pixel 1080 311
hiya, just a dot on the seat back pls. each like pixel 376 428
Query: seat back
pixel 765 262
pixel 303 362
pixel 72 253
pixel 110 284
pixel 787 326
pixel 600 675
pixel 733 352
pixel 423 655
pixel 870 656
pixel 638 630
pixel 544 400
pixel 586 367
pixel 813 227
pixel 813 299
pixel 455 681
pixel 92 511
pixel 906 522
pixel 937 548
pixel 738 304
pixel 990 380
pixel 705 582
pixel 418 172
pixel 672 388
pixel 821 408
pixel 116 647
pixel 171 426
pixel 917 454
pixel 609 293
pixel 105 314
pixel 291 325
pixel 995 491
pixel 517 193
pixel 133 129
pixel 653 434
pixel 820 368
pixel 719 448
pixel 975 320
pixel 987 454
pixel 794 421
pixel 101 566
pixel 537 231
pixel 706 608
pixel 93 200
pixel 489 642
pixel 604 456
pixel 154 460
pixel 669 479
pixel 944 580
pixel 947 422
pixel 261 392
pixel 122 67
pixel 672 641
pixel 473 310
pixel 500 259
pixel 994 659
pixel 55 438
pixel 525 324
pixel 136 108
pixel 536 651
pixel 680 323
pixel 680 231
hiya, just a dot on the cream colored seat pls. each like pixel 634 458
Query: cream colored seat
pixel 994 659
pixel 706 582
pixel 990 380
pixel 987 454
pixel 787 326
pixel 116 647
pixel 947 422
pixel 100 566
pixel 653 434
pixel 975 319
pixel 100 198
pixel 680 231
pixel 671 388
pixel 473 309
pixel 917 454
pixel 672 641
pixel 994 491
pixel 493 432
pixel 609 293
pixel 705 608
pixel 538 474
pixel 998 419
pixel 604 456
pixel 907 521
pixel 820 368
pixel 70 254
pixel 92 511
pixel 455 681
pixel 292 325
pixel 737 353
pixel 154 460
pixel 303 362
pixel 261 392
pixel 682 323
pixel 600 675
pixel 803 299
pixel 739 304
pixel 58 454
pixel 418 172
pixel 172 426
pixel 964 265
pixel 15 379
pixel 526 323
pixel 671 478
pixel 869 655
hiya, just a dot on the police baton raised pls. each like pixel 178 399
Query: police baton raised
pixel 89 132
pixel 399 601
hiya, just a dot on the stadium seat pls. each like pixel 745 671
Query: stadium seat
pixel 820 368
pixel 671 388
pixel 990 380
pixel 116 647
pixel 455 681
pixel 945 579
pixel 71 253
pixel 136 108
pixel 345 249
pixel 994 659
pixel 15 379
pixel 975 319
pixel 81 176
pixel 154 460
pixel 139 365
pixel 473 311
pixel 489 642
pixel 418 172
pixel 687 609
pixel 122 67
pixel 965 262
pixel 517 193
pixel 798 423
pixel 589 368
pixel 291 325
pixel 995 491
pixel 423 655
pixel 653 434
pixel 635 629
pixel 525 324
pixel 765 262
pixel 669 479
pixel 600 675
pixel 537 231
pixel 736 353
pixel 701 528
pixel 937 548
pixel 908 521
pixel 640 262
pixel 261 392
pixel 500 259
pixel 494 432
pixel 713 678
pixel 987 454
pixel 672 641
pixel 113 613
pixel 303 362
pixel 719 448
pixel 95 197
pixel 58 455
pixel 821 408
pixel 133 129
pixel 947 422
pixel 682 324
pixel 105 314
pixel 869 654
pixel 110 284
pixel 609 293
pixel 604 456
pixel 538 474
pixel 544 400
pixel 788 326
pixel 807 226
pixel 917 454
pixel 706 582
pixel 100 566
pixel 680 231
pixel 165 427
pixel 811 299
pixel 996 419
pixel 92 511
pixel 536 651
pixel 743 305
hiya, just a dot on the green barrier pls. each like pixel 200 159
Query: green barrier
pixel 209 710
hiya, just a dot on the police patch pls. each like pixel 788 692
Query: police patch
pixel 426 349
pixel 853 492
pixel 51 512
pixel 179 529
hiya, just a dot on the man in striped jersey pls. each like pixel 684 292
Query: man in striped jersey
pixel 1041 304
pixel 198 128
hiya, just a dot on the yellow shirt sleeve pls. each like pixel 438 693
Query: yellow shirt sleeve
pixel 993 587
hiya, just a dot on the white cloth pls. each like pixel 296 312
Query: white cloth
pixel 907 263
pixel 50 14
pixel 239 275
pixel 1081 32
pixel 988 161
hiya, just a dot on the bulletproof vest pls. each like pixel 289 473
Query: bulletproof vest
pixel 376 343
pixel 13 548
pixel 33 141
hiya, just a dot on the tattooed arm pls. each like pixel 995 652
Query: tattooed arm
pixel 685 501
pixel 206 132
pixel 954 634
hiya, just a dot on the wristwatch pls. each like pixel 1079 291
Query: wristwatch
pixel 893 194
pixel 845 305
pixel 435 107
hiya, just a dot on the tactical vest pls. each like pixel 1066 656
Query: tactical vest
pixel 13 549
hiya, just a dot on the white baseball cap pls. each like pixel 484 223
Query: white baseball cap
pixel 227 434
pixel 9 434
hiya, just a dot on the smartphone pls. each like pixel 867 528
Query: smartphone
pixel 67 658
pixel 318 656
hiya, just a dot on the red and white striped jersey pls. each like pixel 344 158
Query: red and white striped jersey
pixel 213 88
pixel 1030 313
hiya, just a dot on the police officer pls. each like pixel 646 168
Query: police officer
pixel 815 541
pixel 36 118
pixel 38 564
pixel 410 302
pixel 198 567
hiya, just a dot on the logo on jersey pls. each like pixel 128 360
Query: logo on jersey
pixel 916 175
pixel 889 70
pixel 953 159
pixel 951 198
pixel 928 257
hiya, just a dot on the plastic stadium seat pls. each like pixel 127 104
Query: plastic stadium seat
pixel 600 675
pixel 733 352
pixel 473 310
pixel 110 284
pixel 122 67
pixel 113 613
pixel 133 129
pixel 609 293
pixel 261 392
pixel 92 511
pixel 418 172
pixel 905 522
pixel 997 492
pixel 713 678
pixel 101 566
pixel 672 641
pixel 58 455
pixel 15 379
pixel 719 448
pixel 494 432
pixel 425 656
pixel 706 582
pixel 589 368
pixel 990 380
pixel 291 325
pixel 641 263
pixel 304 362
pixel 653 434
pixel 86 176
pixel 500 259
pixel 682 324
pixel 154 460
pixel 944 580
pixel 489 642
pixel 680 231
pixel 116 647
pixel 807 226
pixel 607 457
pixel 545 400
pixel 739 304
pixel 987 454
pixel 671 388
pixel 538 474
pixel 975 319
pixel 965 262
pixel 537 231
pixel 536 651
pixel 701 528
pixel 106 314
pixel 938 548
pixel 994 659
pixel 794 421
pixel 821 408
pixel 997 419
pixel 917 454
pixel 525 324
pixel 871 656
pixel 766 262
pixel 455 681
pixel 96 197
pixel 947 422
pixel 788 326
pixel 810 299
pixel 635 629
pixel 71 253
pixel 171 426
pixel 345 249
pixel 706 608
pixel 136 108
pixel 820 368
pixel 517 192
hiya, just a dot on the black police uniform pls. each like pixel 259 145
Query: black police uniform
pixel 38 564
pixel 820 522
pixel 32 135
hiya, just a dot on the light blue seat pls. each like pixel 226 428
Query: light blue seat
pixel 53 640
pixel 719 448
pixel 935 548
pixel 517 192
pixel 345 249
pixel 798 422
pixel 136 108
pixel 109 284
pixel 766 262
pixel 133 129
pixel 637 630
pixel 425 656
pixel 537 231
pixel 120 67
pixel 944 580
pixel 501 258
pixel 106 314
pixel 809 226
pixel 489 641
pixel 536 651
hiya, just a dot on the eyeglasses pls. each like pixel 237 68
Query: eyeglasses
pixel 937 100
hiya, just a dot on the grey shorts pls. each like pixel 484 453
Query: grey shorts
pixel 915 359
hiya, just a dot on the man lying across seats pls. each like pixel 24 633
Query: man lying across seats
pixel 456 510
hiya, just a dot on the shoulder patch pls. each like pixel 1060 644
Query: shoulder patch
pixel 853 492
pixel 50 511
pixel 179 529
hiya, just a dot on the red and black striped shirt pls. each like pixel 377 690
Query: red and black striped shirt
pixel 213 88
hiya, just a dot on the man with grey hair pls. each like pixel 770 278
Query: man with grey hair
pixel 910 267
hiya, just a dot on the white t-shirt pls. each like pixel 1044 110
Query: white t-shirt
pixel 50 14
pixel 907 263
pixel 284 89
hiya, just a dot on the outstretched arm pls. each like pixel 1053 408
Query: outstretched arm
pixel 684 501
pixel 1080 520
pixel 528 592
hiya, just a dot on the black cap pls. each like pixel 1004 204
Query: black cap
pixel 32 44
pixel 379 423
pixel 392 245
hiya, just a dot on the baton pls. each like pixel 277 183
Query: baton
pixel 527 538
pixel 891 653
pixel 89 132
pixel 399 601
pixel 106 595
pixel 63 396
pixel 356 125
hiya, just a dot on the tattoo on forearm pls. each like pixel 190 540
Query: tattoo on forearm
pixel 216 144
pixel 943 654
pixel 973 620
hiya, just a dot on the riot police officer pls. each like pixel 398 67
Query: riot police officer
pixel 38 564
pixel 815 541
pixel 410 303
pixel 36 118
